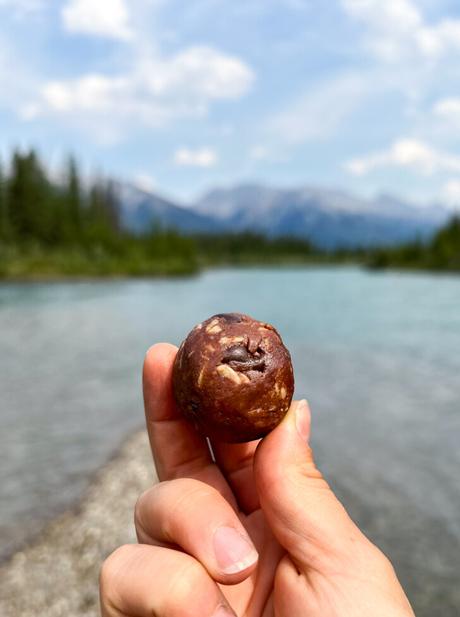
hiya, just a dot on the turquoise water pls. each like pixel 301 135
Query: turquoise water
pixel 377 355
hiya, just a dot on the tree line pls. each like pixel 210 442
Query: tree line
pixel 35 209
pixel 68 226
pixel 441 253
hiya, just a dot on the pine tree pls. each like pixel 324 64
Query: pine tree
pixel 103 210
pixel 445 248
pixel 112 207
pixel 74 200
pixel 96 202
pixel 3 207
pixel 31 200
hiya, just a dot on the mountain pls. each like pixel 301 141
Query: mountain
pixel 140 210
pixel 330 219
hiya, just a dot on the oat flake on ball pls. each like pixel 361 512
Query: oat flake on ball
pixel 233 378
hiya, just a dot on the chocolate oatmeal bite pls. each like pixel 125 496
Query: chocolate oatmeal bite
pixel 233 378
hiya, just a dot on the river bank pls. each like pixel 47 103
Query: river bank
pixel 57 575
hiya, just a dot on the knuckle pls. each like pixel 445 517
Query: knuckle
pixel 190 496
pixel 191 486
pixel 387 568
pixel 166 509
pixel 187 581
pixel 112 571
pixel 141 505
pixel 183 494
pixel 147 509
pixel 198 490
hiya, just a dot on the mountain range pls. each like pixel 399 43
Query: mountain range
pixel 330 219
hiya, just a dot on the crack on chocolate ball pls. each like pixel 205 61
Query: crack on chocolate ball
pixel 241 359
pixel 229 317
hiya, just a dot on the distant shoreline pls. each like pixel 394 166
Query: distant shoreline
pixel 51 275
pixel 86 278
pixel 299 265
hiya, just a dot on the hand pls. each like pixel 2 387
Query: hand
pixel 258 533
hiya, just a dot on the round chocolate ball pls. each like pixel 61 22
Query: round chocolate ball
pixel 233 378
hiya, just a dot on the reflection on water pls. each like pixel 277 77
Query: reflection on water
pixel 377 355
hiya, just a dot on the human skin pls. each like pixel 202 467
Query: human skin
pixel 258 533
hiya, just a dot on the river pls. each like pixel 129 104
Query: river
pixel 376 354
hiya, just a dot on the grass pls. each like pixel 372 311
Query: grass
pixel 38 263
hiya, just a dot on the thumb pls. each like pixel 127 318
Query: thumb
pixel 302 511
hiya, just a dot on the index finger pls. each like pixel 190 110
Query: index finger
pixel 178 450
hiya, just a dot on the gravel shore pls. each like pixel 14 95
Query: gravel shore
pixel 57 576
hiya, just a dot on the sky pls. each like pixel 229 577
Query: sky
pixel 179 96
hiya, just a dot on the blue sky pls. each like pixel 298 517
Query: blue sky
pixel 180 96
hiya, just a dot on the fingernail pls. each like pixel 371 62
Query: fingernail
pixel 302 420
pixel 223 611
pixel 234 551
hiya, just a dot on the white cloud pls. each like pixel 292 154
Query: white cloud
pixel 401 15
pixel 321 111
pixel 200 70
pixel 448 110
pixel 397 30
pixel 89 93
pixel 451 193
pixel 202 157
pixel 449 107
pixel 406 153
pixel 105 18
pixel 145 182
pixel 153 93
